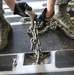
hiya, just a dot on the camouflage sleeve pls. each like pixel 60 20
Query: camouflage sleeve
pixel 1 8
pixel 62 1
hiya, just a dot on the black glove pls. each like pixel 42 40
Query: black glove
pixel 41 20
pixel 20 9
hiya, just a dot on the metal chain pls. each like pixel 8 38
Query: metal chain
pixel 52 25
pixel 35 42
pixel 33 30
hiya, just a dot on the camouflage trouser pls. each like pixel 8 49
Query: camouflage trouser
pixel 1 7
pixel 62 1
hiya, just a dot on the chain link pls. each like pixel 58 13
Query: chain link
pixel 35 42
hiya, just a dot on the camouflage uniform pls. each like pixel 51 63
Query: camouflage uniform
pixel 1 7
pixel 62 1
pixel 5 29
pixel 63 18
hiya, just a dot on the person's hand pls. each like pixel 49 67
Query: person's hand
pixel 20 9
pixel 41 20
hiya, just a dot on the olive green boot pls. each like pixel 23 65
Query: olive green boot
pixel 5 31
pixel 63 18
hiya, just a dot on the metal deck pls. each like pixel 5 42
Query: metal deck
pixel 55 42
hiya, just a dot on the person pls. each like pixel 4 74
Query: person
pixel 5 27
pixel 59 14
pixel 46 14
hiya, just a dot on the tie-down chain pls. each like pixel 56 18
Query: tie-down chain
pixel 35 42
